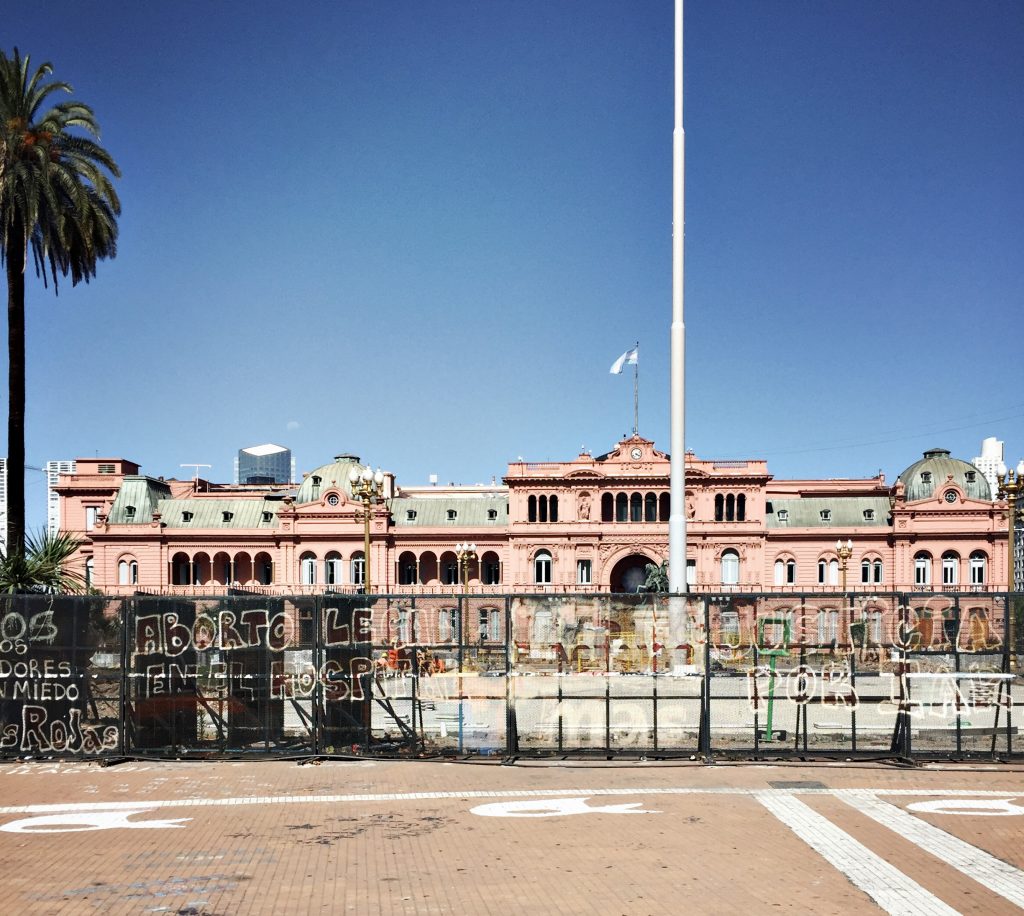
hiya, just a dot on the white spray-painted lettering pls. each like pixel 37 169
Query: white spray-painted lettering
pixel 38 733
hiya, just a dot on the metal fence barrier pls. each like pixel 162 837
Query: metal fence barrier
pixel 740 675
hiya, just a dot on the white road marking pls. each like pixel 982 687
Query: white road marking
pixel 892 890
pixel 998 876
pixel 971 807
pixel 96 820
pixel 468 795
pixel 554 807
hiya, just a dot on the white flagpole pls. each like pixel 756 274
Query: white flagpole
pixel 636 389
pixel 677 479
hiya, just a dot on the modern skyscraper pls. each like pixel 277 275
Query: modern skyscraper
pixel 988 461
pixel 53 471
pixel 264 464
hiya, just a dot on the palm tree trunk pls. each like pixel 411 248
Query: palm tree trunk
pixel 16 397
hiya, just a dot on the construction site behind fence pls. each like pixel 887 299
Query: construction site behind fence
pixel 728 676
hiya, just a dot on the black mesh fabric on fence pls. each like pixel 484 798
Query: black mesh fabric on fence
pixel 706 676
pixel 61 676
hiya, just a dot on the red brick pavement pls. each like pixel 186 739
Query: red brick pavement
pixel 402 838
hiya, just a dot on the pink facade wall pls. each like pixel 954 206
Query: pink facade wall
pixel 582 532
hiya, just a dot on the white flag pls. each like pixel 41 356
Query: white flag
pixel 627 358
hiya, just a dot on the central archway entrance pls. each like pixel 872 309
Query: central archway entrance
pixel 630 573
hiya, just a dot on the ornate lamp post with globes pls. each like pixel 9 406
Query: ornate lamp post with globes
pixel 845 551
pixel 367 487
pixel 1011 488
pixel 465 553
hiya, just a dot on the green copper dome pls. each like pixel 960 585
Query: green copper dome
pixel 924 477
pixel 333 476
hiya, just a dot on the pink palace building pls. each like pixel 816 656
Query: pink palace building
pixel 590 524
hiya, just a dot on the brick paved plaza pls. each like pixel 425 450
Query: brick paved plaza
pixel 568 837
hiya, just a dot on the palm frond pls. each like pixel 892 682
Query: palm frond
pixel 44 567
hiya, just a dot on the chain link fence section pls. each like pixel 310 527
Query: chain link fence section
pixel 709 676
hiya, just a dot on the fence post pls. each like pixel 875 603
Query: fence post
pixel 704 731
pixel 511 726
pixel 127 626
pixel 901 742
pixel 318 662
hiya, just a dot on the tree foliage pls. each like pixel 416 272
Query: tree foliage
pixel 57 201
pixel 44 567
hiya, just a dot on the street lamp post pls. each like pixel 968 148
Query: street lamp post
pixel 367 487
pixel 465 553
pixel 845 551
pixel 1011 488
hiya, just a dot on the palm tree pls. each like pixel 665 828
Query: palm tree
pixel 57 200
pixel 44 567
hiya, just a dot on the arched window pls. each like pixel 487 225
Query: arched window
pixel 531 509
pixel 407 569
pixel 406 625
pixel 542 568
pixel 448 624
pixel 307 569
pixel 978 563
pixel 332 569
pixel 128 572
pixel 542 507
pixel 607 507
pixel 650 508
pixel 951 568
pixel 553 508
pixel 543 629
pixel 180 569
pixel 450 569
pixel 828 572
pixel 922 568
pixel 636 508
pixel 785 572
pixel 730 567
pixel 490 624
pixel 358 568
pixel 828 626
pixel 730 507
pixel 741 508
pixel 664 507
pixel 90 572
pixel 490 569
pixel 622 508
pixel 264 569
pixel 875 626
pixel 871 572
pixel 719 507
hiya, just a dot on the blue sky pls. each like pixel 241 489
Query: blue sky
pixel 422 232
